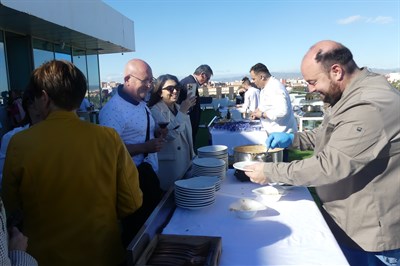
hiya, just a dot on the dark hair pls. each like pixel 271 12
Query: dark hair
pixel 341 55
pixel 27 100
pixel 204 69
pixel 63 82
pixel 155 96
pixel 260 68
pixel 246 80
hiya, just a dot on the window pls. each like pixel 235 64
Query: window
pixel 42 52
pixel 3 66
pixel 93 79
pixel 62 52
pixel 79 60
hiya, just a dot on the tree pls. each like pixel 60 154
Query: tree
pixel 396 84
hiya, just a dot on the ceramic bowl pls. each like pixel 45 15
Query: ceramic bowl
pixel 268 194
pixel 246 208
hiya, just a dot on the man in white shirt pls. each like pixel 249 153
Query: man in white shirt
pixel 275 108
pixel 128 114
pixel 251 96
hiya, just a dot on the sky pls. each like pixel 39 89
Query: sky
pixel 176 36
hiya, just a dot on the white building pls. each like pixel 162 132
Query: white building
pixel 392 77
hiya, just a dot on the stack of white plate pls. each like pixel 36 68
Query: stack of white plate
pixel 211 179
pixel 214 151
pixel 208 167
pixel 195 193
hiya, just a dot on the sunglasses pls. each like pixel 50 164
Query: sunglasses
pixel 172 88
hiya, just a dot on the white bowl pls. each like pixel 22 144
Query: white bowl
pixel 246 208
pixel 269 194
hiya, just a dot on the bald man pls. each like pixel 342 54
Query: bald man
pixel 128 114
pixel 355 167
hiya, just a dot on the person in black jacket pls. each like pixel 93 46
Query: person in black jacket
pixel 201 75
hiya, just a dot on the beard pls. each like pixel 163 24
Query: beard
pixel 333 95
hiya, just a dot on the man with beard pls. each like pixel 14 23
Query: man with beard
pixel 355 167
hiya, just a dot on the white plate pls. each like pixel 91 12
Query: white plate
pixel 214 149
pixel 194 184
pixel 208 162
pixel 276 184
pixel 241 165
pixel 269 191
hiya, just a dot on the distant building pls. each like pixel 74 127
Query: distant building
pixel 33 32
pixel 392 77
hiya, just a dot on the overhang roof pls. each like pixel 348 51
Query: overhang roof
pixel 93 32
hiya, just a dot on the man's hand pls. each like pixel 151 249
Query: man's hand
pixel 155 145
pixel 256 173
pixel 279 140
pixel 187 104
pixel 255 114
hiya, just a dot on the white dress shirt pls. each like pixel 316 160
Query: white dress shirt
pixel 251 99
pixel 130 121
pixel 275 103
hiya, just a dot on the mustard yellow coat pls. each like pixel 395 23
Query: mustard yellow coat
pixel 72 180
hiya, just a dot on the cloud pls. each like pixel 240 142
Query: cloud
pixel 349 20
pixel 358 18
pixel 380 20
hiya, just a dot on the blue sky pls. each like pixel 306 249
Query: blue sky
pixel 231 36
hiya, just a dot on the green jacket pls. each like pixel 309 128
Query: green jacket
pixel 355 167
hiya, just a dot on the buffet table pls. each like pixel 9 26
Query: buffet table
pixel 254 134
pixel 291 231
pixel 234 139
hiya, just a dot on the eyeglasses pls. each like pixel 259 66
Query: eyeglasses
pixel 171 89
pixel 147 82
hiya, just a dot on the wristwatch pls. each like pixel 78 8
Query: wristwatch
pixel 262 115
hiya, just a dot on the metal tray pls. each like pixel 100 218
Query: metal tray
pixel 182 250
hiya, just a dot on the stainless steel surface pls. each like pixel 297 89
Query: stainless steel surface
pixel 262 156
pixel 165 249
pixel 153 226
pixel 212 121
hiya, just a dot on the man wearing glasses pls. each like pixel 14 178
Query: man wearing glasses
pixel 128 114
pixel 201 75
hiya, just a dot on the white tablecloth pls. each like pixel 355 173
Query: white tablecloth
pixel 232 139
pixel 291 231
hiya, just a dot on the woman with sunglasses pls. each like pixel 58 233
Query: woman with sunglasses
pixel 175 157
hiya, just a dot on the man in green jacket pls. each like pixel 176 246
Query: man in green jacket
pixel 355 167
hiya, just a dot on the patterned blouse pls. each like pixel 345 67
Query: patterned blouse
pixel 12 257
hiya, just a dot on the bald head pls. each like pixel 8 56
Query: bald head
pixel 138 79
pixel 136 67
pixel 328 67
pixel 323 46
pixel 326 53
